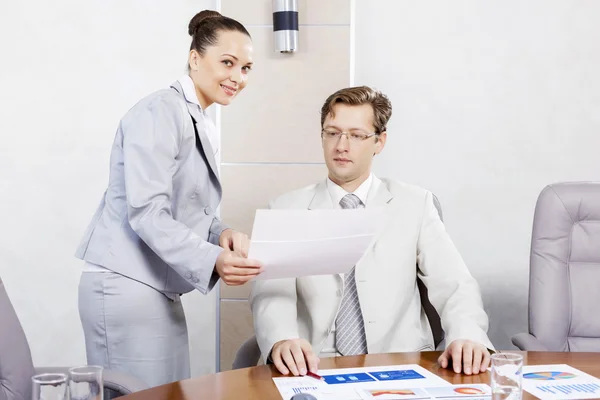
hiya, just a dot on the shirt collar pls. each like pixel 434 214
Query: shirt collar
pixel 189 91
pixel 337 193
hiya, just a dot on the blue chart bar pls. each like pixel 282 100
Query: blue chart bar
pixel 392 375
pixel 348 378
pixel 396 375
pixel 303 389
pixel 569 389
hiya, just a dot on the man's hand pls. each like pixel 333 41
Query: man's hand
pixel 295 355
pixel 236 270
pixel 235 241
pixel 466 356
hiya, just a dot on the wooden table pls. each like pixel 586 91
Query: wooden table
pixel 256 383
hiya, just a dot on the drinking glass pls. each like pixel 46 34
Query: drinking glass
pixel 86 383
pixel 506 376
pixel 49 387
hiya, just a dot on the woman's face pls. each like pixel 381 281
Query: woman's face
pixel 222 72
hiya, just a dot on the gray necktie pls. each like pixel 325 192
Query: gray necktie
pixel 350 337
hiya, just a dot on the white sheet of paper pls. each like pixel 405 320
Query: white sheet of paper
pixel 467 392
pixel 559 381
pixel 286 225
pixel 291 386
pixel 294 243
pixel 352 382
pixel 311 257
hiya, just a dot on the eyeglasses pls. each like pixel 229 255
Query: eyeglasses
pixel 355 136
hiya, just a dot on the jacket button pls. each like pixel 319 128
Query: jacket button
pixel 207 210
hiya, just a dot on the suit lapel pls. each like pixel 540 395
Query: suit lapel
pixel 377 197
pixel 321 199
pixel 380 196
pixel 205 145
pixel 200 130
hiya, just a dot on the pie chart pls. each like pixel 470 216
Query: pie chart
pixel 549 375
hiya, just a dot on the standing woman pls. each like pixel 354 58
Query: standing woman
pixel 155 234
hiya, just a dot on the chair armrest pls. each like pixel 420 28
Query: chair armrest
pixel 247 355
pixel 115 381
pixel 123 383
pixel 528 342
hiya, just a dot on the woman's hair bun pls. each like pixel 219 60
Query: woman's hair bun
pixel 200 18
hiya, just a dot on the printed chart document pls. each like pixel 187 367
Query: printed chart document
pixel 470 392
pixel 293 243
pixel 559 381
pixel 388 382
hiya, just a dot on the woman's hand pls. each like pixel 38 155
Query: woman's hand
pixel 235 241
pixel 236 270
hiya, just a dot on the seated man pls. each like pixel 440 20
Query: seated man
pixel 375 307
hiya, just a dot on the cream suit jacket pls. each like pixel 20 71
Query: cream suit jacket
pixel 386 280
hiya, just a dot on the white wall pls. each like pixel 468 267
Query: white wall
pixel 492 101
pixel 70 70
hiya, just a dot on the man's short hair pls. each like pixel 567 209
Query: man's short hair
pixel 359 95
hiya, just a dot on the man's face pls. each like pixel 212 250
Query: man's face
pixel 349 157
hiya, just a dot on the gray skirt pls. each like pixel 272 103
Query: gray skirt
pixel 133 328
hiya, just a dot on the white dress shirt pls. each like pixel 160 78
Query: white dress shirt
pixel 336 192
pixel 189 92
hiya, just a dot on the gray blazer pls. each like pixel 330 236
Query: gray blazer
pixel 156 222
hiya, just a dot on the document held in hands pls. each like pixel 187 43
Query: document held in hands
pixel 293 243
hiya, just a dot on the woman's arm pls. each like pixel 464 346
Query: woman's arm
pixel 151 138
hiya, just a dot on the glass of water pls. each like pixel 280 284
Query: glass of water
pixel 86 383
pixel 49 387
pixel 506 376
